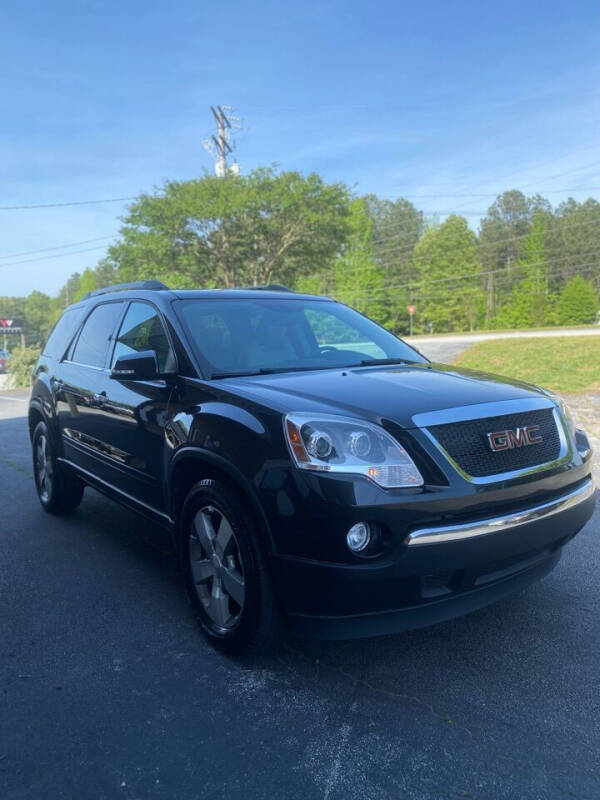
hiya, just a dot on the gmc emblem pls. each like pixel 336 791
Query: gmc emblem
pixel 509 439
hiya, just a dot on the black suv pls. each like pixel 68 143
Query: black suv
pixel 313 470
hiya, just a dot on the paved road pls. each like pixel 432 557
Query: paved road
pixel 108 691
pixel 445 347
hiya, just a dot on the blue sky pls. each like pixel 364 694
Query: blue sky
pixel 430 101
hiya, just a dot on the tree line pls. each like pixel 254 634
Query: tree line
pixel 529 264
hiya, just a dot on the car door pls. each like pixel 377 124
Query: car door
pixel 79 384
pixel 131 422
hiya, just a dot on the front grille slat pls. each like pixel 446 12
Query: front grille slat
pixel 466 443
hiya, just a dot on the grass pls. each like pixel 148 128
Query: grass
pixel 569 364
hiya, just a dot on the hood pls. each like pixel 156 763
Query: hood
pixel 396 393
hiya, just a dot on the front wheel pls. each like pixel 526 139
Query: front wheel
pixel 225 571
pixel 59 491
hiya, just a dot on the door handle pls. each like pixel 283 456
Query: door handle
pixel 100 398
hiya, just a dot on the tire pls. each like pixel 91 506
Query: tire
pixel 59 491
pixel 225 572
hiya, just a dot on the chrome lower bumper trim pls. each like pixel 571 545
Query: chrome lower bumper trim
pixel 452 533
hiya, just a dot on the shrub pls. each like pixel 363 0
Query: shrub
pixel 577 302
pixel 20 366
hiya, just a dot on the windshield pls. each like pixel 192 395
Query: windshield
pixel 250 336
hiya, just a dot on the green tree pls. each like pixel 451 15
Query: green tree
pixel 502 236
pixel 37 312
pixel 68 292
pixel 233 231
pixel 574 243
pixel 449 294
pixel 528 303
pixel 359 281
pixel 577 303
pixel 88 282
pixel 105 273
pixel 397 226
pixel 321 283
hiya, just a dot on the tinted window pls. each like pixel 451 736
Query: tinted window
pixel 142 329
pixel 332 332
pixel 250 335
pixel 92 345
pixel 63 332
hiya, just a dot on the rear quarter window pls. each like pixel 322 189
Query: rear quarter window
pixel 63 332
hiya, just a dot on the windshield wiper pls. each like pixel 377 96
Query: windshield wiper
pixel 216 375
pixel 367 362
pixel 276 370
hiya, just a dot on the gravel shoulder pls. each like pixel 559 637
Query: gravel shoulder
pixel 586 410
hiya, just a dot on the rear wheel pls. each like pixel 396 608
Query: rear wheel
pixel 59 491
pixel 225 571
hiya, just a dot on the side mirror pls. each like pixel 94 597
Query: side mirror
pixel 142 366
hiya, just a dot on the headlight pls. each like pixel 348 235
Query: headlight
pixel 565 410
pixel 329 443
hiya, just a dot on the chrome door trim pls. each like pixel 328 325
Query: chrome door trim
pixel 97 482
pixel 453 533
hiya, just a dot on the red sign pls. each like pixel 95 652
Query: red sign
pixel 8 325
pixel 411 309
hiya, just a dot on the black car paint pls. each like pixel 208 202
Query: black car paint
pixel 135 440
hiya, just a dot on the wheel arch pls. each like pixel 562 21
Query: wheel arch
pixel 192 464
pixel 35 415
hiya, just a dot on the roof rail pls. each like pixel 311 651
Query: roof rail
pixel 270 287
pixel 121 287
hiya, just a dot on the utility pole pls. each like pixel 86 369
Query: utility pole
pixel 219 144
pixel 489 312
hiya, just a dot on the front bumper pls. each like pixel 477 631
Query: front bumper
pixel 506 522
pixel 438 572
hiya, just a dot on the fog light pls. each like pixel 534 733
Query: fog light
pixel 359 536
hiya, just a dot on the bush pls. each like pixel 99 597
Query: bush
pixel 20 366
pixel 577 303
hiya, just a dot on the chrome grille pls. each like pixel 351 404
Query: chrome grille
pixel 466 442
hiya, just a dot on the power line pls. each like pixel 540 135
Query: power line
pixel 72 203
pixel 47 258
pixel 493 194
pixel 414 224
pixel 554 269
pixel 421 296
pixel 482 245
pixel 57 247
pixel 385 250
pixel 441 293
pixel 504 177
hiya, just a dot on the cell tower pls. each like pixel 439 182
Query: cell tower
pixel 220 144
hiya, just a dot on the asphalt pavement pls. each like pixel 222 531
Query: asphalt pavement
pixel 445 347
pixel 109 691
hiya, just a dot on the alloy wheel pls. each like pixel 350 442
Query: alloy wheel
pixel 216 567
pixel 44 468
